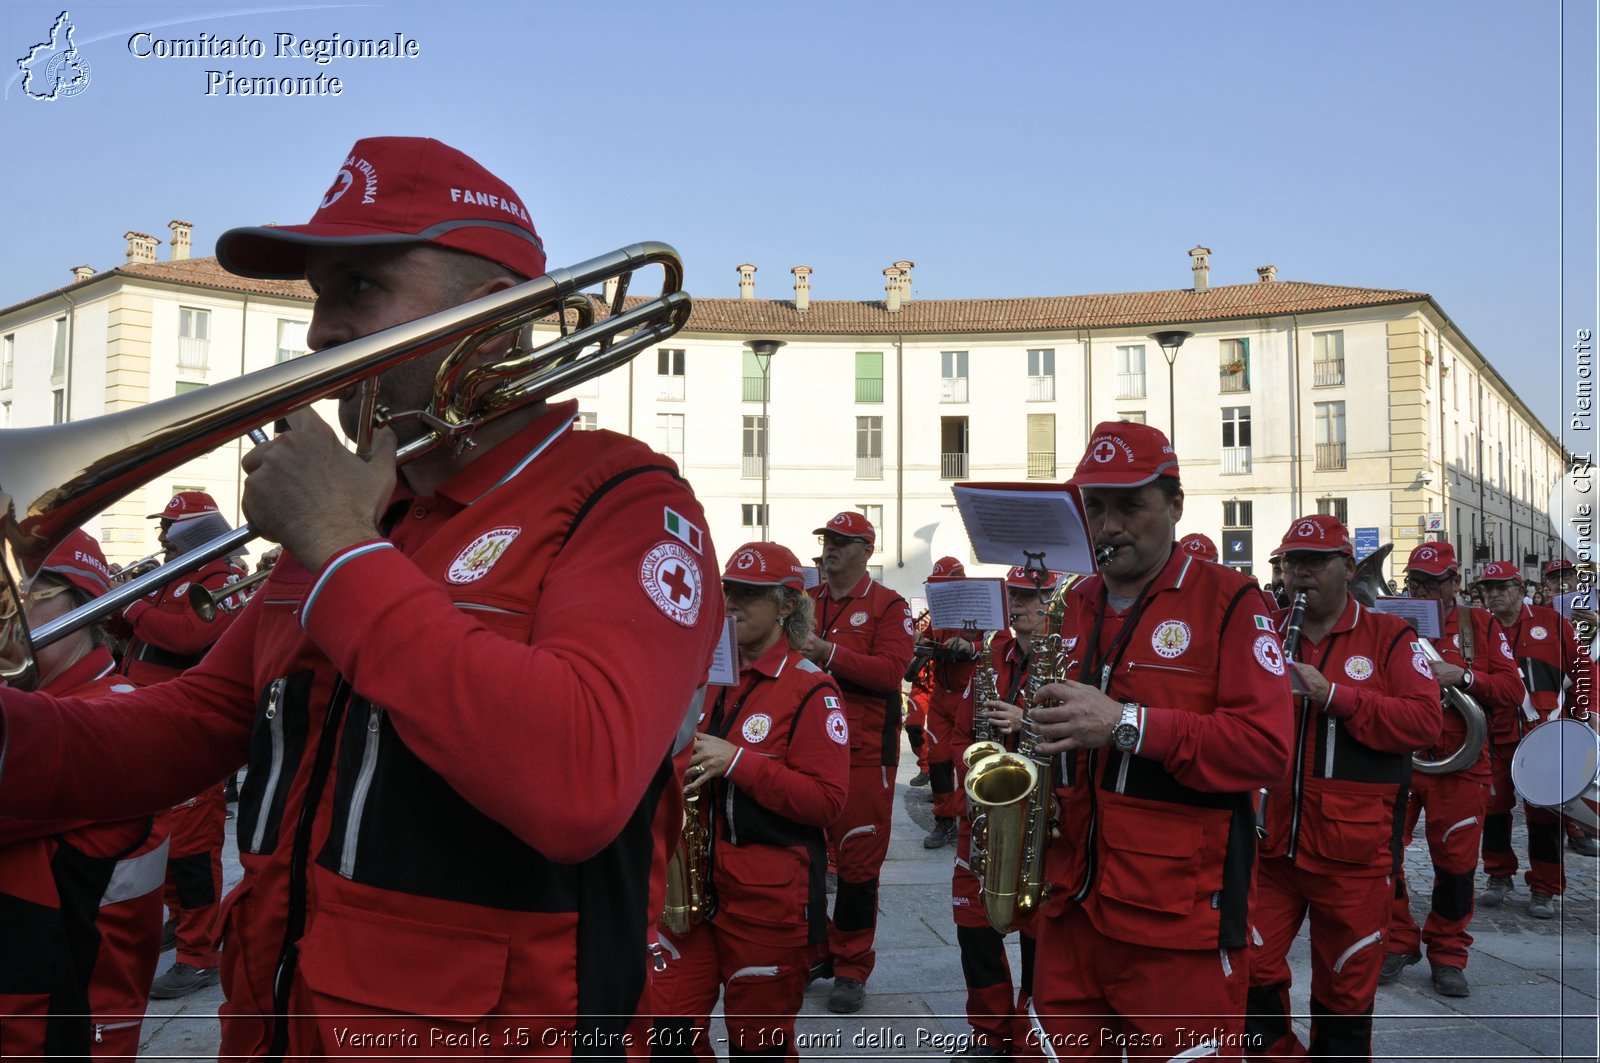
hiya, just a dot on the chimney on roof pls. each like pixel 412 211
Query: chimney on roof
pixel 610 290
pixel 181 231
pixel 1268 274
pixel 904 266
pixel 891 288
pixel 802 288
pixel 1201 264
pixel 81 273
pixel 141 247
pixel 747 281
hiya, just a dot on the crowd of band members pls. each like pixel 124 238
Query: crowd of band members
pixel 1210 793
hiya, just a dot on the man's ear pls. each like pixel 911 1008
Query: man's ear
pixel 1177 507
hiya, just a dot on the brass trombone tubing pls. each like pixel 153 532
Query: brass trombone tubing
pixel 206 603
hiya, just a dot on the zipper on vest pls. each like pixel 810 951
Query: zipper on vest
pixel 1328 755
pixel 1298 788
pixel 274 716
pixel 358 796
pixel 1122 772
pixel 1153 667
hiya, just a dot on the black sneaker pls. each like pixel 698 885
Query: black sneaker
pixel 919 779
pixel 169 935
pixel 182 979
pixel 820 971
pixel 1396 962
pixel 848 996
pixel 1450 981
pixel 942 834
pixel 1583 845
pixel 230 790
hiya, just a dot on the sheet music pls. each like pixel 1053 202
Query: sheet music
pixel 1423 614
pixel 725 658
pixel 952 604
pixel 1011 524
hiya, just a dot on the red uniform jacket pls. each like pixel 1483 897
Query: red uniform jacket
pixel 168 638
pixel 786 783
pixel 1556 669
pixel 1158 845
pixel 69 963
pixel 1496 684
pixel 457 740
pixel 1340 810
pixel 871 631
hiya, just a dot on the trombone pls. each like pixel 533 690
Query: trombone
pixel 207 603
pixel 135 569
pixel 54 478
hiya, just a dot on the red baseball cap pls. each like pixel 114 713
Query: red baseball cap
pixel 1022 579
pixel 187 504
pixel 78 560
pixel 1560 564
pixel 851 525
pixel 948 568
pixel 1432 559
pixel 1500 572
pixel 1316 533
pixel 764 565
pixel 398 190
pixel 1125 454
pixel 1200 546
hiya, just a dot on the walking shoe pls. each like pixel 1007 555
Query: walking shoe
pixel 230 790
pixel 182 979
pixel 1583 845
pixel 1494 895
pixel 848 996
pixel 169 935
pixel 1450 981
pixel 1396 962
pixel 821 970
pixel 1542 906
pixel 919 779
pixel 942 834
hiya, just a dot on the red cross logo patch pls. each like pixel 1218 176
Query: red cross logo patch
pixel 1104 451
pixel 1269 654
pixel 671 579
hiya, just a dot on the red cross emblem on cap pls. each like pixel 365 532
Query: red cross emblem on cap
pixel 1306 530
pixel 746 559
pixel 1104 451
pixel 1427 553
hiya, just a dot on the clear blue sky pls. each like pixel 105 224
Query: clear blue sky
pixel 1007 148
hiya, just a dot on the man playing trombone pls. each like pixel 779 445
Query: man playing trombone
pixel 459 691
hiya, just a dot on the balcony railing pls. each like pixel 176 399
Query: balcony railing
pixel 869 389
pixel 869 467
pixel 1130 385
pixel 752 467
pixel 1041 465
pixel 753 390
pixel 953 389
pixel 1330 455
pixel 1041 388
pixel 1235 461
pixel 1326 372
pixel 193 355
pixel 669 388
pixel 953 466
pixel 1234 379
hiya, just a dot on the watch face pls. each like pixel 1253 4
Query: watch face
pixel 1125 736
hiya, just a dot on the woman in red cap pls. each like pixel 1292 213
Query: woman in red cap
pixel 773 759
pixel 81 901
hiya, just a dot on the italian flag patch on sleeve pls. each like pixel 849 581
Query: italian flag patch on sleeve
pixel 1264 623
pixel 682 529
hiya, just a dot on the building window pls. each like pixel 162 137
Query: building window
pixel 1041 446
pixel 1130 372
pixel 194 339
pixel 953 448
pixel 952 376
pixel 869 448
pixel 753 515
pixel 291 339
pixel 1330 435
pixel 1131 416
pixel 1234 367
pixel 1338 508
pixel 1235 440
pixel 669 374
pixel 1042 375
pixel 869 376
pixel 1237 544
pixel 8 363
pixel 669 435
pixel 58 365
pixel 1237 514
pixel 58 399
pixel 586 421
pixel 755 445
pixel 754 379
pixel 874 515
pixel 1327 366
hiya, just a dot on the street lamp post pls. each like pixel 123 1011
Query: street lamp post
pixel 1169 342
pixel 764 350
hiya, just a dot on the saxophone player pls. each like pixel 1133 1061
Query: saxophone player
pixel 772 762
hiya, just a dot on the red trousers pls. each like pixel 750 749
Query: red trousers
pixel 996 1012
pixel 859 840
pixel 194 877
pixel 1348 915
pixel 1095 997
pixel 1545 873
pixel 1454 805
pixel 762 988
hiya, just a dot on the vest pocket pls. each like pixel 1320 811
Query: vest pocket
pixel 761 884
pixel 1150 859
pixel 1353 828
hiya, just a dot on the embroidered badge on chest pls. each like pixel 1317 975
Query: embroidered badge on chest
pixel 1170 638
pixel 474 562
pixel 756 728
pixel 1358 667
pixel 180 590
pixel 1269 654
pixel 857 619
pixel 1539 633
pixel 671 578
pixel 838 730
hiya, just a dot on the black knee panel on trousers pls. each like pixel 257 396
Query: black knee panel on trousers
pixel 1340 1037
pixel 673 1037
pixel 1266 1013
pixel 1452 894
pixel 942 777
pixel 855 906
pixel 191 877
pixel 983 956
pixel 1030 945
pixel 914 736
pixel 1544 842
pixel 1497 832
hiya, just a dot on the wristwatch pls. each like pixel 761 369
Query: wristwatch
pixel 1125 735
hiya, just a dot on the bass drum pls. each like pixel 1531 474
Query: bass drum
pixel 1557 766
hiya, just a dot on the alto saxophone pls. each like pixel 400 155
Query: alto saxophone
pixel 687 873
pixel 985 688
